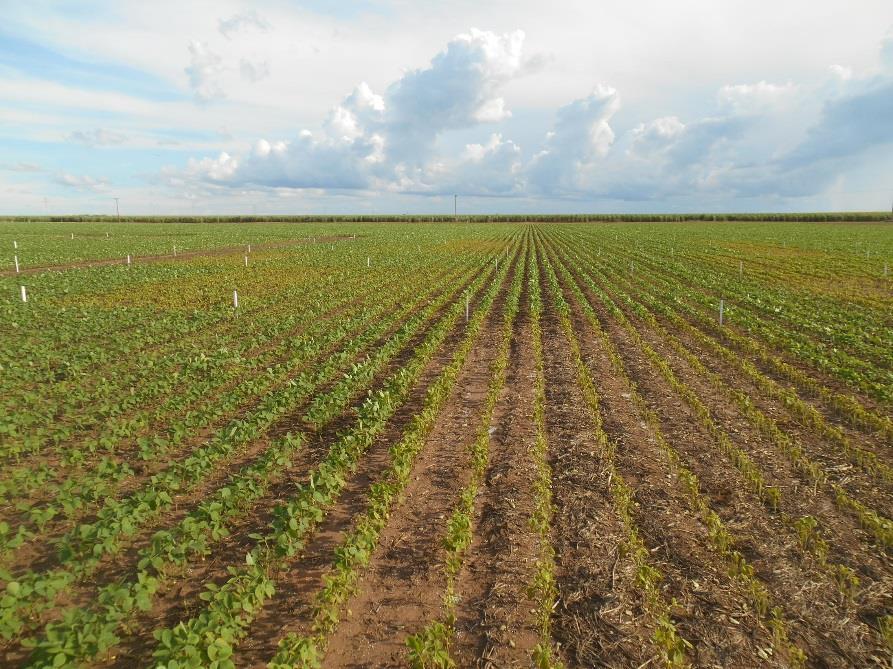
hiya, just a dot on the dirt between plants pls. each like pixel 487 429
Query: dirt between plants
pixel 495 623
pixel 167 257
pixel 290 610
pixel 402 588
pixel 707 609
pixel 182 602
pixel 42 555
pixel 818 620
pixel 599 617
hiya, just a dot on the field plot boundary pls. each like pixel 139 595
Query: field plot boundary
pixel 178 257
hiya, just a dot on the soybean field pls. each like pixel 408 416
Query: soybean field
pixel 411 444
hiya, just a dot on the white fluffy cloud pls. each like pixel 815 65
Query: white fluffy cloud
pixel 580 137
pixel 760 97
pixel 389 142
pixel 654 137
pixel 242 21
pixel 254 71
pixel 204 70
pixel 386 141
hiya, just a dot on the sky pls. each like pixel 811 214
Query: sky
pixel 379 106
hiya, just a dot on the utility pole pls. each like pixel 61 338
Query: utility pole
pixel 456 207
pixel 117 211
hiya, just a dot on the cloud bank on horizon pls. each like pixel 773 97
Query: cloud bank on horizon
pixel 214 122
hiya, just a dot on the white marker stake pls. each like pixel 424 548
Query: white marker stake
pixel 368 261
pixel 16 258
pixel 249 248
pixel 24 294
pixel 497 263
pixel 106 235
pixel 72 235
pixel 15 244
pixel 175 250
pixel 246 261
pixel 721 305
pixel 128 260
pixel 235 299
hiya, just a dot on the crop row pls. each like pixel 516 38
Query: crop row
pixel 355 551
pixel 879 526
pixel 721 539
pixel 430 646
pixel 543 586
pixel 673 648
pixel 168 551
pixel 211 635
pixel 844 577
pixel 83 549
pixel 82 492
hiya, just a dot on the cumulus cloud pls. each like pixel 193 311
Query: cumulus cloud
pixel 386 140
pixel 204 71
pixel 97 137
pixel 841 72
pixel 580 136
pixel 848 126
pixel 460 88
pixel 648 139
pixel 82 182
pixel 754 142
pixel 254 71
pixel 760 97
pixel 242 21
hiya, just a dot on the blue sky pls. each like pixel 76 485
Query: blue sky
pixel 380 106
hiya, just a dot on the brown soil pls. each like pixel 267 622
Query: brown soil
pixel 810 601
pixel 494 621
pixel 602 617
pixel 182 602
pixel 402 588
pixel 598 620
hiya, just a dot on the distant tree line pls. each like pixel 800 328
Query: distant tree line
pixel 821 217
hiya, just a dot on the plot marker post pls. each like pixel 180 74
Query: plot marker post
pixel 16 258
pixel 368 261
pixel 246 261
pixel 175 250
pixel 15 244
pixel 128 260
pixel 24 294
pixel 235 299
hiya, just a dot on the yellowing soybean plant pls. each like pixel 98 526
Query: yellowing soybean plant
pixel 446 444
